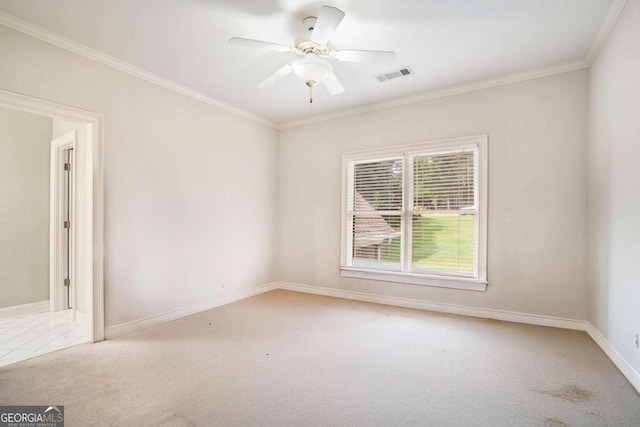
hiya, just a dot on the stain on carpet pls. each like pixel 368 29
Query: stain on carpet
pixel 174 419
pixel 571 393
pixel 554 422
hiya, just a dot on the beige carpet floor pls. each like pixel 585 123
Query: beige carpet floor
pixel 289 359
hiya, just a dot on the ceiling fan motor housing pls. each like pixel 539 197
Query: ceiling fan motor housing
pixel 303 44
pixel 305 48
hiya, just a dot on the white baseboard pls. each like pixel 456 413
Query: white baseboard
pixel 157 319
pixel 23 309
pixel 508 316
pixel 621 363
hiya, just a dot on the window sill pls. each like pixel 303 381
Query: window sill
pixel 415 279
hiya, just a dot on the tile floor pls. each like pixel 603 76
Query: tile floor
pixel 28 336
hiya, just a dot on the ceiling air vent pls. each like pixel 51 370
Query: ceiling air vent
pixel 402 72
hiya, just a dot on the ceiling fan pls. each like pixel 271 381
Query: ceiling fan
pixel 312 49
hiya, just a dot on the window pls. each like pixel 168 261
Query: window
pixel 417 214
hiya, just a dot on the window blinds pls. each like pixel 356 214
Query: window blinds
pixel 443 213
pixel 376 214
pixel 416 213
pixel 378 186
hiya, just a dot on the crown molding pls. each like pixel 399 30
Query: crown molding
pixel 603 32
pixel 80 49
pixel 440 93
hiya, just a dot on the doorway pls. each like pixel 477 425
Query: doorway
pixel 37 212
pixel 75 234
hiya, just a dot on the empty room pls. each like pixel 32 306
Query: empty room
pixel 320 213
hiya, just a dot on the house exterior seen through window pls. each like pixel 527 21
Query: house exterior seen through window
pixel 417 214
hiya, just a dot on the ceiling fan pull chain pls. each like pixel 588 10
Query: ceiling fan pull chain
pixel 310 97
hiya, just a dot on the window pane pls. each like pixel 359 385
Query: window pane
pixel 443 181
pixel 443 244
pixel 378 186
pixel 376 241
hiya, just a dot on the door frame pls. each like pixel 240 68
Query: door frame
pixel 56 224
pixel 95 192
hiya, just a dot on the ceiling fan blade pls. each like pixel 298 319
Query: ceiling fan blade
pixel 332 84
pixel 273 78
pixel 374 56
pixel 328 20
pixel 239 41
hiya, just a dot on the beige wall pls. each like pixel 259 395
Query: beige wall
pixel 190 191
pixel 614 182
pixel 189 188
pixel 24 207
pixel 537 192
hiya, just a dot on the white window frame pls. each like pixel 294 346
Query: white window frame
pixel 479 281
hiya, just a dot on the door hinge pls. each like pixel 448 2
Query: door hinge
pixel 67 224
pixel 67 166
pixel 67 282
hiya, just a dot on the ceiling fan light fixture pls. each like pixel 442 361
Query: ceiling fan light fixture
pixel 311 71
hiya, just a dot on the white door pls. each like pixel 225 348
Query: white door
pixel 62 225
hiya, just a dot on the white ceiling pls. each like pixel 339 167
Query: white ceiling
pixel 445 43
